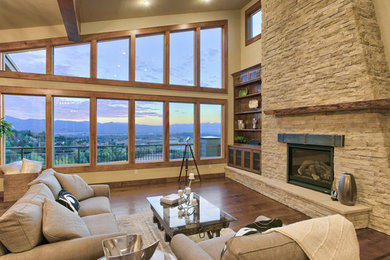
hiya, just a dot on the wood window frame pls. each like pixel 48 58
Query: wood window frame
pixel 93 166
pixel 248 26
pixel 50 43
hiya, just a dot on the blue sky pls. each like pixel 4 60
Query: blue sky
pixel 113 63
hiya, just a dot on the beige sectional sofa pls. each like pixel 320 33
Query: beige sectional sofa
pixel 21 233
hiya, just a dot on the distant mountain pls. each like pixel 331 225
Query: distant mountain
pixel 72 127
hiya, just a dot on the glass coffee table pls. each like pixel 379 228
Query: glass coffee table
pixel 206 218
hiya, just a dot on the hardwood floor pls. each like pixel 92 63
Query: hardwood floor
pixel 242 203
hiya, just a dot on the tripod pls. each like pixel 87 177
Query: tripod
pixel 187 151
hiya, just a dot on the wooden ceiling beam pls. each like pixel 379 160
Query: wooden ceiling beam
pixel 69 17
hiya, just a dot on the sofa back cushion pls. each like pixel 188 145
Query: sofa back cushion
pixel 21 227
pixel 36 194
pixel 59 223
pixel 272 245
pixel 12 168
pixel 47 177
pixel 75 185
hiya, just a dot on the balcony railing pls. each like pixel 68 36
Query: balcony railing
pixel 105 153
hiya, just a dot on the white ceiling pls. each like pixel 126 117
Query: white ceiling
pixel 32 13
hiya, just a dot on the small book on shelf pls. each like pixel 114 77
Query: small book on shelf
pixel 170 199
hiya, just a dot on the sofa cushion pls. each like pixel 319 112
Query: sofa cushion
pixel 36 194
pixel 11 168
pixel 214 246
pixel 47 177
pixel 21 227
pixel 29 166
pixel 59 223
pixel 69 201
pixel 101 224
pixel 94 205
pixel 75 185
pixel 270 246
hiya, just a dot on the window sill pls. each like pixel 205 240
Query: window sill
pixel 109 82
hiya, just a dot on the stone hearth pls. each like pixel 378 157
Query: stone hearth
pixel 309 202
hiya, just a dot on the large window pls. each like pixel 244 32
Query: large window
pixel 27 116
pixel 210 130
pixel 253 23
pixel 72 60
pixel 112 130
pixel 113 59
pixel 181 59
pixel 148 131
pixel 181 126
pixel 211 58
pixel 71 130
pixel 174 57
pixel 31 61
pixel 149 59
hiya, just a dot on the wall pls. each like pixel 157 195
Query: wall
pixel 251 54
pixel 233 17
pixel 327 52
pixel 382 10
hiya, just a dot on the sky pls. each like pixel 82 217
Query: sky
pixel 113 63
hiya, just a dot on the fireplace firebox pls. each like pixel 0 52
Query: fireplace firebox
pixel 310 166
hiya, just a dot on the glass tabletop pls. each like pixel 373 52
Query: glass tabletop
pixel 204 214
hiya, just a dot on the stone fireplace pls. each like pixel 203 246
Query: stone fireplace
pixel 324 72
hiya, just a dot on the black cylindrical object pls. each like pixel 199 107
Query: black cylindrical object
pixel 347 189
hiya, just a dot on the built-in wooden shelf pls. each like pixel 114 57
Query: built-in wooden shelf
pixel 248 130
pixel 249 95
pixel 378 104
pixel 248 112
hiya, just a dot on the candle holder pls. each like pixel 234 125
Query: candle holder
pixel 187 206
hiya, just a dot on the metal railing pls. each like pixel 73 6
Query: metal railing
pixel 105 153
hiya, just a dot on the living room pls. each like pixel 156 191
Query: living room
pixel 113 101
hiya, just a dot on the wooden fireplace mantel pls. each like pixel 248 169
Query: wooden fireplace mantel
pixel 377 104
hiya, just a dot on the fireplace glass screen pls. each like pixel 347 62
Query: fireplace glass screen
pixel 311 166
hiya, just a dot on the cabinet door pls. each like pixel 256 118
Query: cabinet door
pixel 238 158
pixel 256 161
pixel 247 159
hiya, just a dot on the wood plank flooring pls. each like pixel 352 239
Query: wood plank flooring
pixel 242 203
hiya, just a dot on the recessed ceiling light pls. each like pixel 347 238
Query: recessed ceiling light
pixel 206 1
pixel 146 3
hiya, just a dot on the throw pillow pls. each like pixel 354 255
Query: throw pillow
pixel 59 223
pixel 255 228
pixel 12 168
pixel 29 166
pixel 67 199
pixel 75 185
pixel 47 177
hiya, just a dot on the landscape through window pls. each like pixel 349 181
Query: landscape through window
pixel 211 58
pixel 30 61
pixel 71 130
pixel 113 59
pixel 27 116
pixel 181 60
pixel 112 130
pixel 210 130
pixel 148 131
pixel 181 126
pixel 72 60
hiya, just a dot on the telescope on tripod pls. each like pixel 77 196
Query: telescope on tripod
pixel 184 162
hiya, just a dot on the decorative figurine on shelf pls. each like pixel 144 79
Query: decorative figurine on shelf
pixel 240 124
pixel 254 122
pixel 187 206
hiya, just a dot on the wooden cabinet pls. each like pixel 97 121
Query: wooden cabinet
pixel 245 157
pixel 246 151
pixel 247 104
